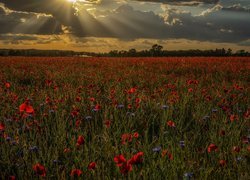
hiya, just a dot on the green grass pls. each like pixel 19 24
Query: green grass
pixel 158 82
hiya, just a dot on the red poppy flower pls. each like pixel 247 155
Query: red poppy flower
pixel 236 149
pixel 126 138
pixel 2 126
pixel 75 112
pixel 136 159
pixel 247 114
pixel 129 106
pixel 66 150
pixel 233 118
pixel 244 139
pixel 136 135
pixel 12 177
pixel 80 140
pixel 75 172
pixel 26 107
pixel 97 107
pixel 92 99
pixel 7 85
pixel 212 147
pixel 222 132
pixel 92 166
pixel 120 160
pixel 190 90
pixel 222 163
pixel 166 152
pixel 126 167
pixel 39 169
pixel 107 123
pixel 171 124
pixel 137 100
pixel 131 91
pixel 78 99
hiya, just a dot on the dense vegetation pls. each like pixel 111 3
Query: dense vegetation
pixel 155 51
pixel 113 118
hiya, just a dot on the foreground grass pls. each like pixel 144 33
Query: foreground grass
pixel 189 117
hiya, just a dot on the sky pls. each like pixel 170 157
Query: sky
pixel 104 25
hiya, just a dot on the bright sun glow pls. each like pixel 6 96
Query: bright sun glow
pixel 72 0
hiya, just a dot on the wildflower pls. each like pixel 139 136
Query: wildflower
pixel 182 144
pixel 119 160
pixel 75 172
pixel 157 149
pixel 236 149
pixel 131 91
pixel 205 118
pixel 245 139
pixel 97 107
pixel 26 107
pixel 222 163
pixel 107 123
pixel 238 159
pixel 88 118
pixel 164 106
pixel 92 166
pixel 78 99
pixel 166 152
pixel 75 112
pixel 33 149
pixel 136 159
pixel 129 106
pixel 8 138
pixel 137 100
pixel 212 147
pixel 2 126
pixel 120 106
pixel 188 175
pixel 126 138
pixel 66 150
pixel 39 169
pixel 125 168
pixel 80 140
pixel 7 85
pixel 222 132
pixel 171 124
pixel 214 110
pixel 56 161
pixel 12 178
pixel 190 90
pixel 234 118
pixel 136 135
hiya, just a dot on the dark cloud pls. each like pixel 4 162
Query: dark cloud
pixel 237 8
pixel 181 2
pixel 27 23
pixel 216 25
pixel 62 10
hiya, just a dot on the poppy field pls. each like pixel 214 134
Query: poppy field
pixel 115 118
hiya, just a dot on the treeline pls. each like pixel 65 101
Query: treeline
pixel 46 53
pixel 155 51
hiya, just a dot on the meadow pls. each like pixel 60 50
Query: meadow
pixel 124 118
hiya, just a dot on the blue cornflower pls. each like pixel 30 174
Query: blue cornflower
pixel 120 106
pixel 182 144
pixel 33 149
pixel 206 117
pixel 164 106
pixel 88 118
pixel 157 149
pixel 188 175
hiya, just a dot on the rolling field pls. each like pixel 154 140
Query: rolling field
pixel 134 118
